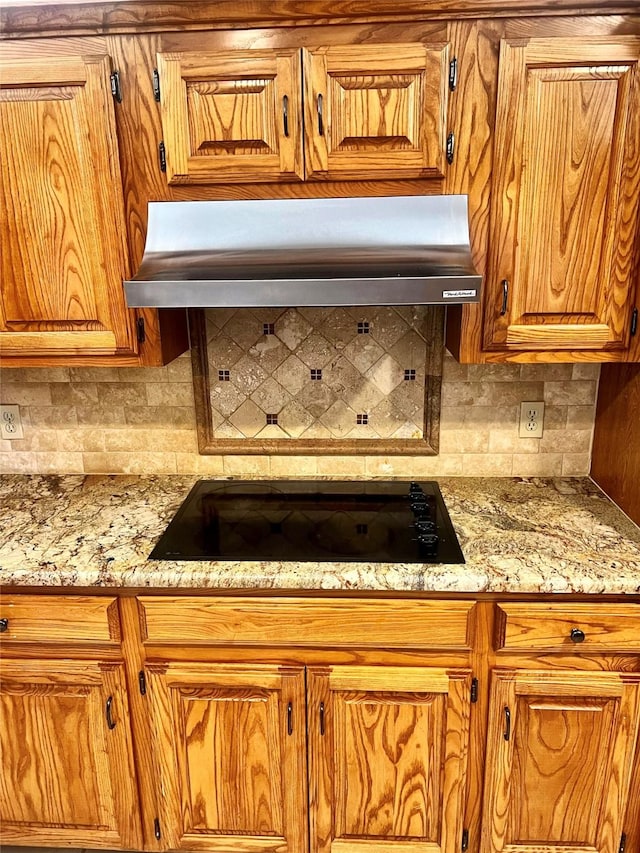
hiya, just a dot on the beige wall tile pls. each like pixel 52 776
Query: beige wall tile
pixel 74 394
pixel 27 394
pixel 508 441
pixel 566 441
pixel 580 417
pixel 341 466
pixel 464 441
pixel 129 463
pixel 487 465
pixel 174 394
pixel 414 467
pixel 60 462
pixel 576 464
pixel 36 438
pixel 34 374
pixel 52 416
pixel 573 392
pixel 150 440
pixel 247 466
pixel 537 465
pixel 587 370
pixel 546 372
pixel 294 466
pixel 206 466
pixel 17 462
pixel 81 439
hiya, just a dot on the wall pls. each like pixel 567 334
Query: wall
pixel 141 420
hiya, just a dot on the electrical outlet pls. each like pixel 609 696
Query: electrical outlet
pixel 10 423
pixel 531 420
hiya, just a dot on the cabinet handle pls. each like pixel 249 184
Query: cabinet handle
pixel 507 723
pixel 285 114
pixel 322 727
pixel 577 635
pixel 320 118
pixel 505 297
pixel 289 719
pixel 110 722
pixel 4 625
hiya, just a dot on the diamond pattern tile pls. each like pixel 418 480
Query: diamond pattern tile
pixel 360 373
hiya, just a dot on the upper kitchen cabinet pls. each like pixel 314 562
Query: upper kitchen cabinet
pixel 232 116
pixel 375 111
pixel 64 252
pixel 371 112
pixel 565 196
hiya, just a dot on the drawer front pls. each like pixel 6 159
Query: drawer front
pixel 292 621
pixel 59 619
pixel 587 627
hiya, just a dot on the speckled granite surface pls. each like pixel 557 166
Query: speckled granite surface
pixel 518 536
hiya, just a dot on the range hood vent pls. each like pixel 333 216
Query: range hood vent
pixel 409 250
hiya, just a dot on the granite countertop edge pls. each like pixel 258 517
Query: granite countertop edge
pixel 523 536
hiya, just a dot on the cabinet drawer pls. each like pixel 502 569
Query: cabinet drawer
pixel 293 621
pixel 59 619
pixel 568 627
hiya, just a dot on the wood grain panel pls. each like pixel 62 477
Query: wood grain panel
pixel 559 773
pixel 231 756
pixel 60 619
pixel 566 209
pixel 547 627
pixel 64 246
pixel 375 111
pixel 223 116
pixel 305 622
pixel 617 426
pixel 77 787
pixel 387 758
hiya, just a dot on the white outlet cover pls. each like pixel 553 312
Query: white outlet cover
pixel 10 422
pixel 531 420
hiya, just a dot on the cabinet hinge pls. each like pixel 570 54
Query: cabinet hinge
pixel 465 840
pixel 634 321
pixel 156 829
pixel 142 682
pixel 156 85
pixel 116 89
pixel 474 689
pixel 140 330
pixel 451 144
pixel 453 74
pixel 162 154
pixel 623 843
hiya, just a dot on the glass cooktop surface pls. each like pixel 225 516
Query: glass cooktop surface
pixel 311 521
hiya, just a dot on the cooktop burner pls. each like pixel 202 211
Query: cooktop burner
pixel 312 521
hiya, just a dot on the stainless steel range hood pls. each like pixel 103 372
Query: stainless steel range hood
pixel 410 250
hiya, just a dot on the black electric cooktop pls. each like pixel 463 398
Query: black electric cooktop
pixel 313 521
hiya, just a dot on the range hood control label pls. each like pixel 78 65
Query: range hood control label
pixel 458 294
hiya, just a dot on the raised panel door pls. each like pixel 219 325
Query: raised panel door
pixel 375 111
pixel 566 200
pixel 559 761
pixel 232 116
pixel 64 253
pixel 387 758
pixel 67 768
pixel 230 745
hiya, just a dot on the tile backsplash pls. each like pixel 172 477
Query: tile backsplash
pixel 318 373
pixel 142 421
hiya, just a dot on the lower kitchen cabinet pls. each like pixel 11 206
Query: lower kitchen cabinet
pixel 278 725
pixel 68 776
pixel 229 742
pixel 559 761
pixel 387 758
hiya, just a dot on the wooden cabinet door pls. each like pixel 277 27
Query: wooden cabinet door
pixel 566 195
pixel 232 116
pixel 375 111
pixel 68 777
pixel 387 758
pixel 230 745
pixel 62 230
pixel 559 761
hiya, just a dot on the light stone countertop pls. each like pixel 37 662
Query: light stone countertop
pixel 518 536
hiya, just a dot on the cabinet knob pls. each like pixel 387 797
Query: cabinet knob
pixel 4 625
pixel 577 635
